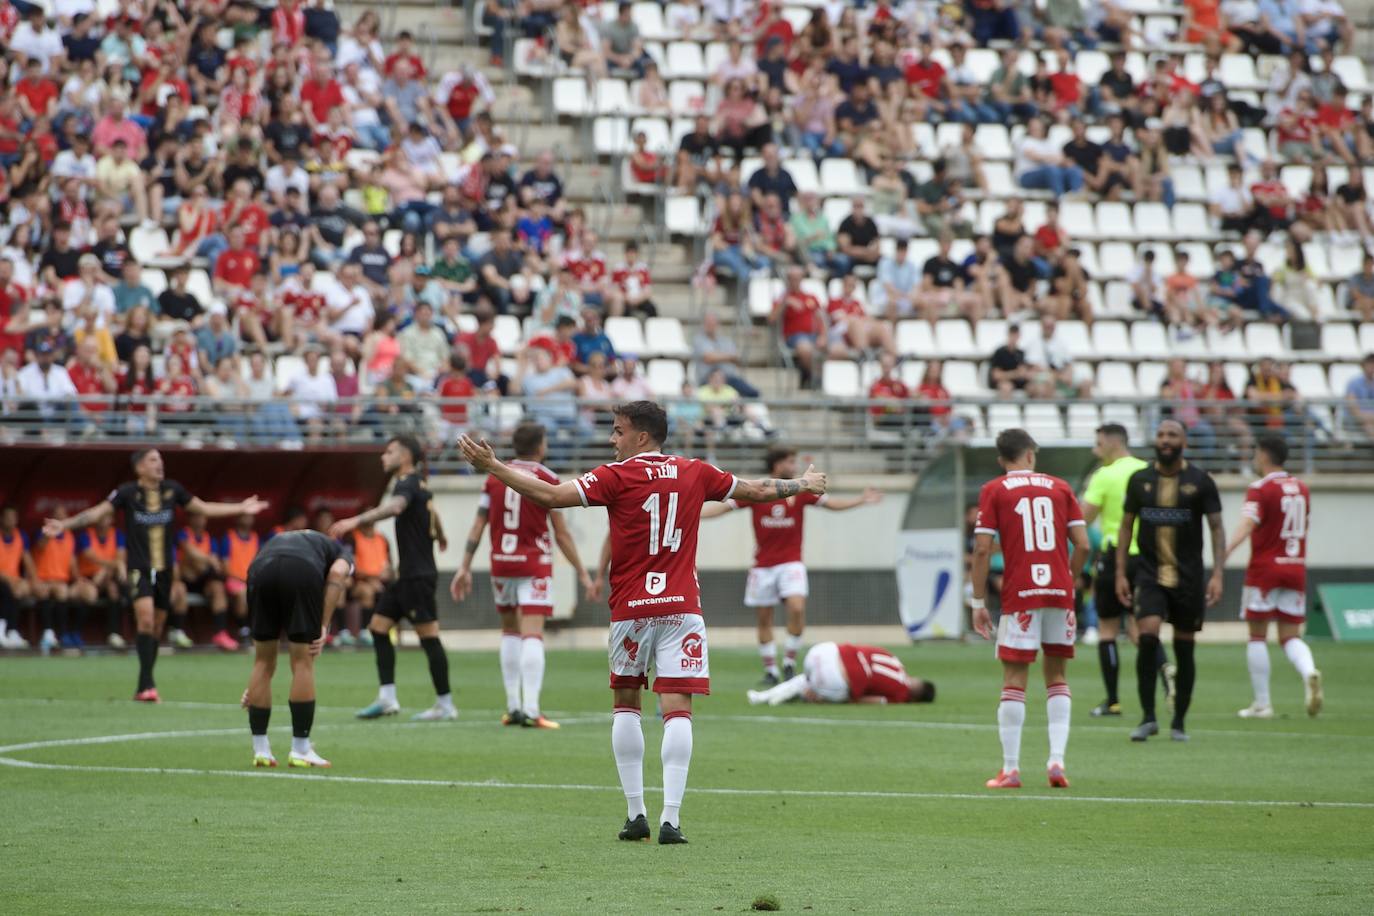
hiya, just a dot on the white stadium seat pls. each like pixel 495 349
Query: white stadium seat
pixel 1126 415
pixel 1043 422
pixel 990 333
pixel 570 97
pixel 665 376
pixel 682 216
pixel 1367 337
pixel 1083 421
pixel 684 61
pixel 611 136
pixel 1310 380
pixel 1111 340
pixel 507 332
pixel 1226 345
pixel 1074 336
pixel 1114 221
pixel 1152 221
pixel 1339 341
pixel 915 338
pixel 1115 380
pixel 1002 415
pixel 961 378
pixel 841 177
pixel 687 97
pixel 840 378
pixel 1149 377
pixel 665 337
pixel 612 97
pixel 954 338
pixel 626 334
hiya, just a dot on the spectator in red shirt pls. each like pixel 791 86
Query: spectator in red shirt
pixel 288 23
pixel 1273 204
pixel 936 406
pixel 1335 125
pixel 236 266
pixel 243 210
pixel 483 352
pixel 455 384
pixel 178 385
pixel 632 286
pixel 405 50
pixel 321 93
pixel 889 386
pixel 37 95
pixel 803 324
pixel 1051 239
pixel 850 325
pixel 90 376
pixel 13 308
pixel 926 76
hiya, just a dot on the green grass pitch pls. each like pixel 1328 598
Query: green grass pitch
pixel 828 809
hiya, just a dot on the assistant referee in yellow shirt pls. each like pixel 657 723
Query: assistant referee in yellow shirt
pixel 1104 498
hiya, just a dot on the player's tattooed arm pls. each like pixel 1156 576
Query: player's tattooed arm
pixel 53 527
pixel 461 586
pixel 770 489
pixel 1214 584
pixel 390 507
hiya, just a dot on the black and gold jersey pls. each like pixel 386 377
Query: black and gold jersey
pixel 1171 509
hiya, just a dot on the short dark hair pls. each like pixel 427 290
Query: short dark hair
pixel 925 695
pixel 1114 431
pixel 775 454
pixel 137 457
pixel 526 439
pixel 291 513
pixel 1012 444
pixel 1276 447
pixel 412 445
pixel 645 416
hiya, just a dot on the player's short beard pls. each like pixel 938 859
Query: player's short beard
pixel 1168 454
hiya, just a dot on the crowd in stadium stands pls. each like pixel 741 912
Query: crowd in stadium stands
pixel 235 201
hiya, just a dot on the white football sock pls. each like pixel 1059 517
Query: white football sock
pixel 262 747
pixel 1257 660
pixel 769 653
pixel 792 687
pixel 1011 715
pixel 444 701
pixel 300 746
pixel 1301 656
pixel 531 673
pixel 791 645
pixel 1057 708
pixel 387 693
pixel 627 742
pixel 677 756
pixel 510 668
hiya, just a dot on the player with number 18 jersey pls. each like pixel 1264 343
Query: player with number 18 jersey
pixel 1030 514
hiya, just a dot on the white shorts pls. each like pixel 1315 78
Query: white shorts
pixel 673 645
pixel 1286 604
pixel 532 595
pixel 825 673
pixel 1019 635
pixel 767 585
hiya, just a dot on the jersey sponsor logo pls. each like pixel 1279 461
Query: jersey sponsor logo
pixel 691 652
pixel 655 582
pixel 631 648
pixel 1040 573
pixel 1023 620
pixel 1188 489
pixel 1166 515
pixel 1070 625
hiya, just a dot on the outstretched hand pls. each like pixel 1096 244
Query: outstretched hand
pixel 813 481
pixel 53 527
pixel 252 505
pixel 341 529
pixel 477 453
pixel 872 495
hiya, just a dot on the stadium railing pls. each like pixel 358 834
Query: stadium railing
pixel 853 435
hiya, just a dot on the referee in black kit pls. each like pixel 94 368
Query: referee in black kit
pixel 1170 497
pixel 294 585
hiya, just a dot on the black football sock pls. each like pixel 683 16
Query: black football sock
pixel 221 620
pixel 179 622
pixel 302 718
pixel 259 716
pixel 438 664
pixel 1146 673
pixel 147 657
pixel 45 615
pixel 1187 675
pixel 8 606
pixel 76 618
pixel 386 658
pixel 1110 660
pixel 1162 660
pixel 114 617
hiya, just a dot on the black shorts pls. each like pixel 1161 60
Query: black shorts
pixel 1104 584
pixel 199 583
pixel 285 595
pixel 155 584
pixel 1182 607
pixel 412 598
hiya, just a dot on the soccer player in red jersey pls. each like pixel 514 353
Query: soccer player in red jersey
pixel 1034 517
pixel 654 505
pixel 521 574
pixel 846 673
pixel 1274 520
pixel 778 573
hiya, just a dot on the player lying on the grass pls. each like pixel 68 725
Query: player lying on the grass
pixel 521 574
pixel 778 574
pixel 149 503
pixel 16 574
pixel 103 561
pixel 294 585
pixel 847 673
pixel 1275 520
pixel 654 505
pixel 411 595
pixel 1034 517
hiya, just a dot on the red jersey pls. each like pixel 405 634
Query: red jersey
pixel 654 503
pixel 893 388
pixel 521 545
pixel 637 273
pixel 840 308
pixel 800 313
pixel 88 381
pixel 562 351
pixel 455 385
pixel 237 267
pixel 321 99
pixel 778 528
pixel 928 77
pixel 461 99
pixel 254 221
pixel 1030 514
pixel 874 672
pixel 306 304
pixel 1278 504
pixel 481 350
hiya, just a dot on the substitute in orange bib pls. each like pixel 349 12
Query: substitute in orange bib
pixel 16 574
pixel 61 594
pixel 101 561
pixel 237 550
pixel 201 572
pixel 372 571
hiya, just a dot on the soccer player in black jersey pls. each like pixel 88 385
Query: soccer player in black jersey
pixel 1170 498
pixel 412 593
pixel 294 585
pixel 149 503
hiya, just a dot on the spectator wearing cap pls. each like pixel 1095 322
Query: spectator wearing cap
pixel 591 339
pixel 45 383
pixel 803 324
pixel 215 340
pixel 424 344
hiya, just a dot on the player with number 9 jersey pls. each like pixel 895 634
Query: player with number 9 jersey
pixel 1030 514
pixel 521 546
pixel 1276 577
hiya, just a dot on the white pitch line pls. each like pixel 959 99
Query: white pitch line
pixel 583 787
